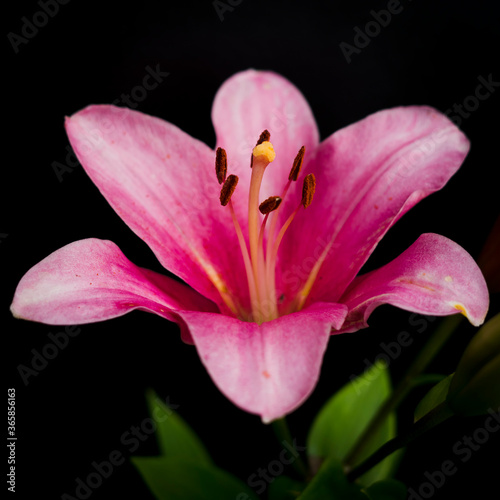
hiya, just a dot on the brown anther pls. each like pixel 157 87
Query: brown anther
pixel 297 165
pixel 308 189
pixel 265 136
pixel 228 189
pixel 272 203
pixel 221 165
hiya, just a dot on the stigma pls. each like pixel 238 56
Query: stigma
pixel 264 235
pixel 264 150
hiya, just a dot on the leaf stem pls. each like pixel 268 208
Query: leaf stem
pixel 439 414
pixel 420 363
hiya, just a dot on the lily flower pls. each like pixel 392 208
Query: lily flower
pixel 268 245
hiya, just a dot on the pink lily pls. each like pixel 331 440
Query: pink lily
pixel 262 294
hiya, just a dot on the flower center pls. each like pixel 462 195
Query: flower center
pixel 264 237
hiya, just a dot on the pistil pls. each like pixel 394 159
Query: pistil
pixel 263 154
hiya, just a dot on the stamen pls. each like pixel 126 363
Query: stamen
pixel 246 260
pixel 308 189
pixel 297 165
pixel 269 310
pixel 293 176
pixel 228 189
pixel 272 203
pixel 221 165
pixel 264 137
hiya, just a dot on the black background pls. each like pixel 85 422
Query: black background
pixel 76 410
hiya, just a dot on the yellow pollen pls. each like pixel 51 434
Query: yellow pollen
pixel 461 309
pixel 265 149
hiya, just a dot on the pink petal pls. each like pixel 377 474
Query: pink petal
pixel 368 175
pixel 250 102
pixel 91 280
pixel 434 276
pixel 162 183
pixel 268 369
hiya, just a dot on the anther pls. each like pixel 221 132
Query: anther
pixel 308 189
pixel 228 189
pixel 265 136
pixel 221 165
pixel 267 206
pixel 297 165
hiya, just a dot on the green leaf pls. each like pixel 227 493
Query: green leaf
pixel 285 488
pixel 427 378
pixel 433 398
pixel 482 349
pixel 175 438
pixel 474 388
pixel 330 482
pixel 345 416
pixel 390 489
pixel 172 479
